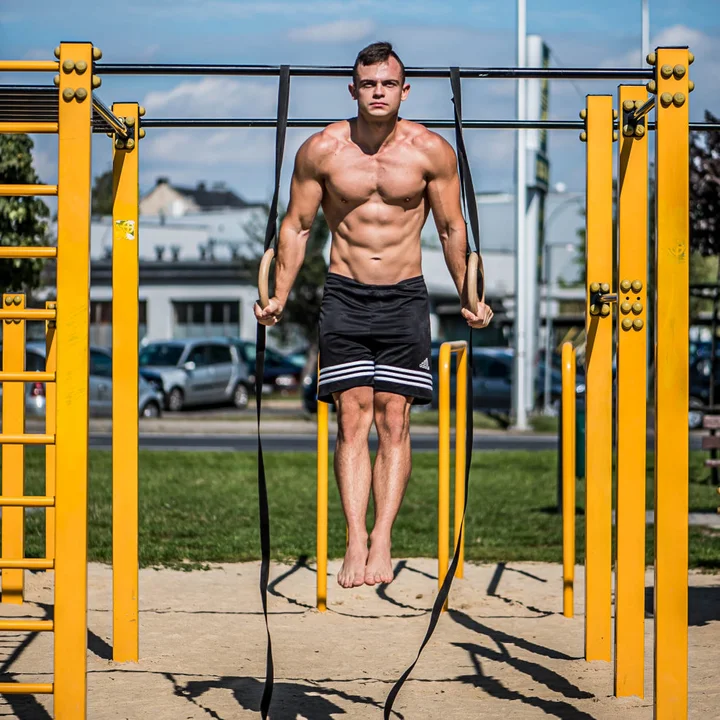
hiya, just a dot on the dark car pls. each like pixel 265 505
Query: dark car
pixel 280 372
pixel 493 370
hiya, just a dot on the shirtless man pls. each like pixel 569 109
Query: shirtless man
pixel 376 177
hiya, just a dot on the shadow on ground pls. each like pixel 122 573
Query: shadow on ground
pixel 290 699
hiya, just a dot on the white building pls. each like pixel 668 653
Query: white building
pixel 194 278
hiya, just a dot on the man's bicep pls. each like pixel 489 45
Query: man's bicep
pixel 306 188
pixel 444 189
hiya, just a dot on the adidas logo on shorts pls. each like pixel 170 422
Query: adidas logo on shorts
pixel 425 365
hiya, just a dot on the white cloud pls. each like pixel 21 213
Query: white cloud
pixel 45 164
pixel 204 148
pixel 339 31
pixel 214 97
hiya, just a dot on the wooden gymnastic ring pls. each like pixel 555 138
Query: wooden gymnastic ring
pixel 264 277
pixel 471 280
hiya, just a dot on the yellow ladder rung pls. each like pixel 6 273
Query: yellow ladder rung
pixel 28 127
pixel 27 501
pixel 27 564
pixel 28 314
pixel 28 376
pixel 26 689
pixel 27 439
pixel 27 625
pixel 29 65
pixel 27 190
pixel 27 252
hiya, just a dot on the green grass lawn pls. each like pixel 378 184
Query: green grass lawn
pixel 200 507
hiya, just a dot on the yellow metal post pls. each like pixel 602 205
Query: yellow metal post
pixel 598 359
pixel 73 292
pixel 125 343
pixel 568 477
pixel 13 456
pixel 671 385
pixel 322 503
pixel 632 203
pixel 460 453
pixel 443 461
pixel 50 429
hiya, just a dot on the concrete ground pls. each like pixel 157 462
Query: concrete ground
pixel 503 651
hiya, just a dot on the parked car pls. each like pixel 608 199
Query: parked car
pixel 196 372
pixel 280 373
pixel 99 389
pixel 492 382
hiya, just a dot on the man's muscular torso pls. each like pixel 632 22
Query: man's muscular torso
pixel 376 204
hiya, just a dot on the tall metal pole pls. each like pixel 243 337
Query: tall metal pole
pixel 548 327
pixel 521 256
pixel 645 32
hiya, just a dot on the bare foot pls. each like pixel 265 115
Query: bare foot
pixel 352 572
pixel 379 564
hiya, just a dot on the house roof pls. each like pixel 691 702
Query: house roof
pixel 210 198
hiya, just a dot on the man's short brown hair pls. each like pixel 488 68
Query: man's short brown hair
pixel 378 52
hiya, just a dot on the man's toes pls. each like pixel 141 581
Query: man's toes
pixel 369 579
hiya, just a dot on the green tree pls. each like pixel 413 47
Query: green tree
pixel 102 194
pixel 22 219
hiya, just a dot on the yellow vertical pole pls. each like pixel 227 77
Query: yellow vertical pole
pixel 631 399
pixel 13 456
pixel 598 359
pixel 460 452
pixel 125 343
pixel 322 503
pixel 73 297
pixel 443 461
pixel 568 477
pixel 50 410
pixel 671 385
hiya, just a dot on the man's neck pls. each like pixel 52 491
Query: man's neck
pixel 373 136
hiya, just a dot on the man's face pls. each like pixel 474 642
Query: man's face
pixel 379 90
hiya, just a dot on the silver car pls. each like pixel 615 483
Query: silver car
pixel 99 390
pixel 196 372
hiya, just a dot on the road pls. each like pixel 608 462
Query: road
pixel 307 442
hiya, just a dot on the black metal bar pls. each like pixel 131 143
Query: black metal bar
pixel 335 71
pixel 115 123
pixel 320 123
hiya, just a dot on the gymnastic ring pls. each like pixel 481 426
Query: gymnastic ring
pixel 471 278
pixel 264 277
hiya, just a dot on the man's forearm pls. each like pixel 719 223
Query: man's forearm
pixel 289 259
pixel 454 244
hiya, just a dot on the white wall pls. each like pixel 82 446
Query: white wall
pixel 160 316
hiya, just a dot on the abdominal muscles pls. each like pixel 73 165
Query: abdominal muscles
pixel 377 242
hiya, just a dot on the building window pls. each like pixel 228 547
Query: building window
pixel 101 322
pixel 206 318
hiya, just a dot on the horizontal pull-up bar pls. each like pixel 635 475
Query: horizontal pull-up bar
pixel 319 123
pixel 346 72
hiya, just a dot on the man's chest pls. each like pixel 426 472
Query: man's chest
pixel 354 177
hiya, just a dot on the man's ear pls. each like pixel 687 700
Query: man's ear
pixel 353 91
pixel 405 92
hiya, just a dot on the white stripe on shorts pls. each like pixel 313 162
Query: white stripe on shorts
pixel 366 367
pixel 345 376
pixel 399 377
pixel 410 383
pixel 422 374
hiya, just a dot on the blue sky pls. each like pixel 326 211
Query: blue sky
pixel 463 32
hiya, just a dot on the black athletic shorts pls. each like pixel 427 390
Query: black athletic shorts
pixel 377 336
